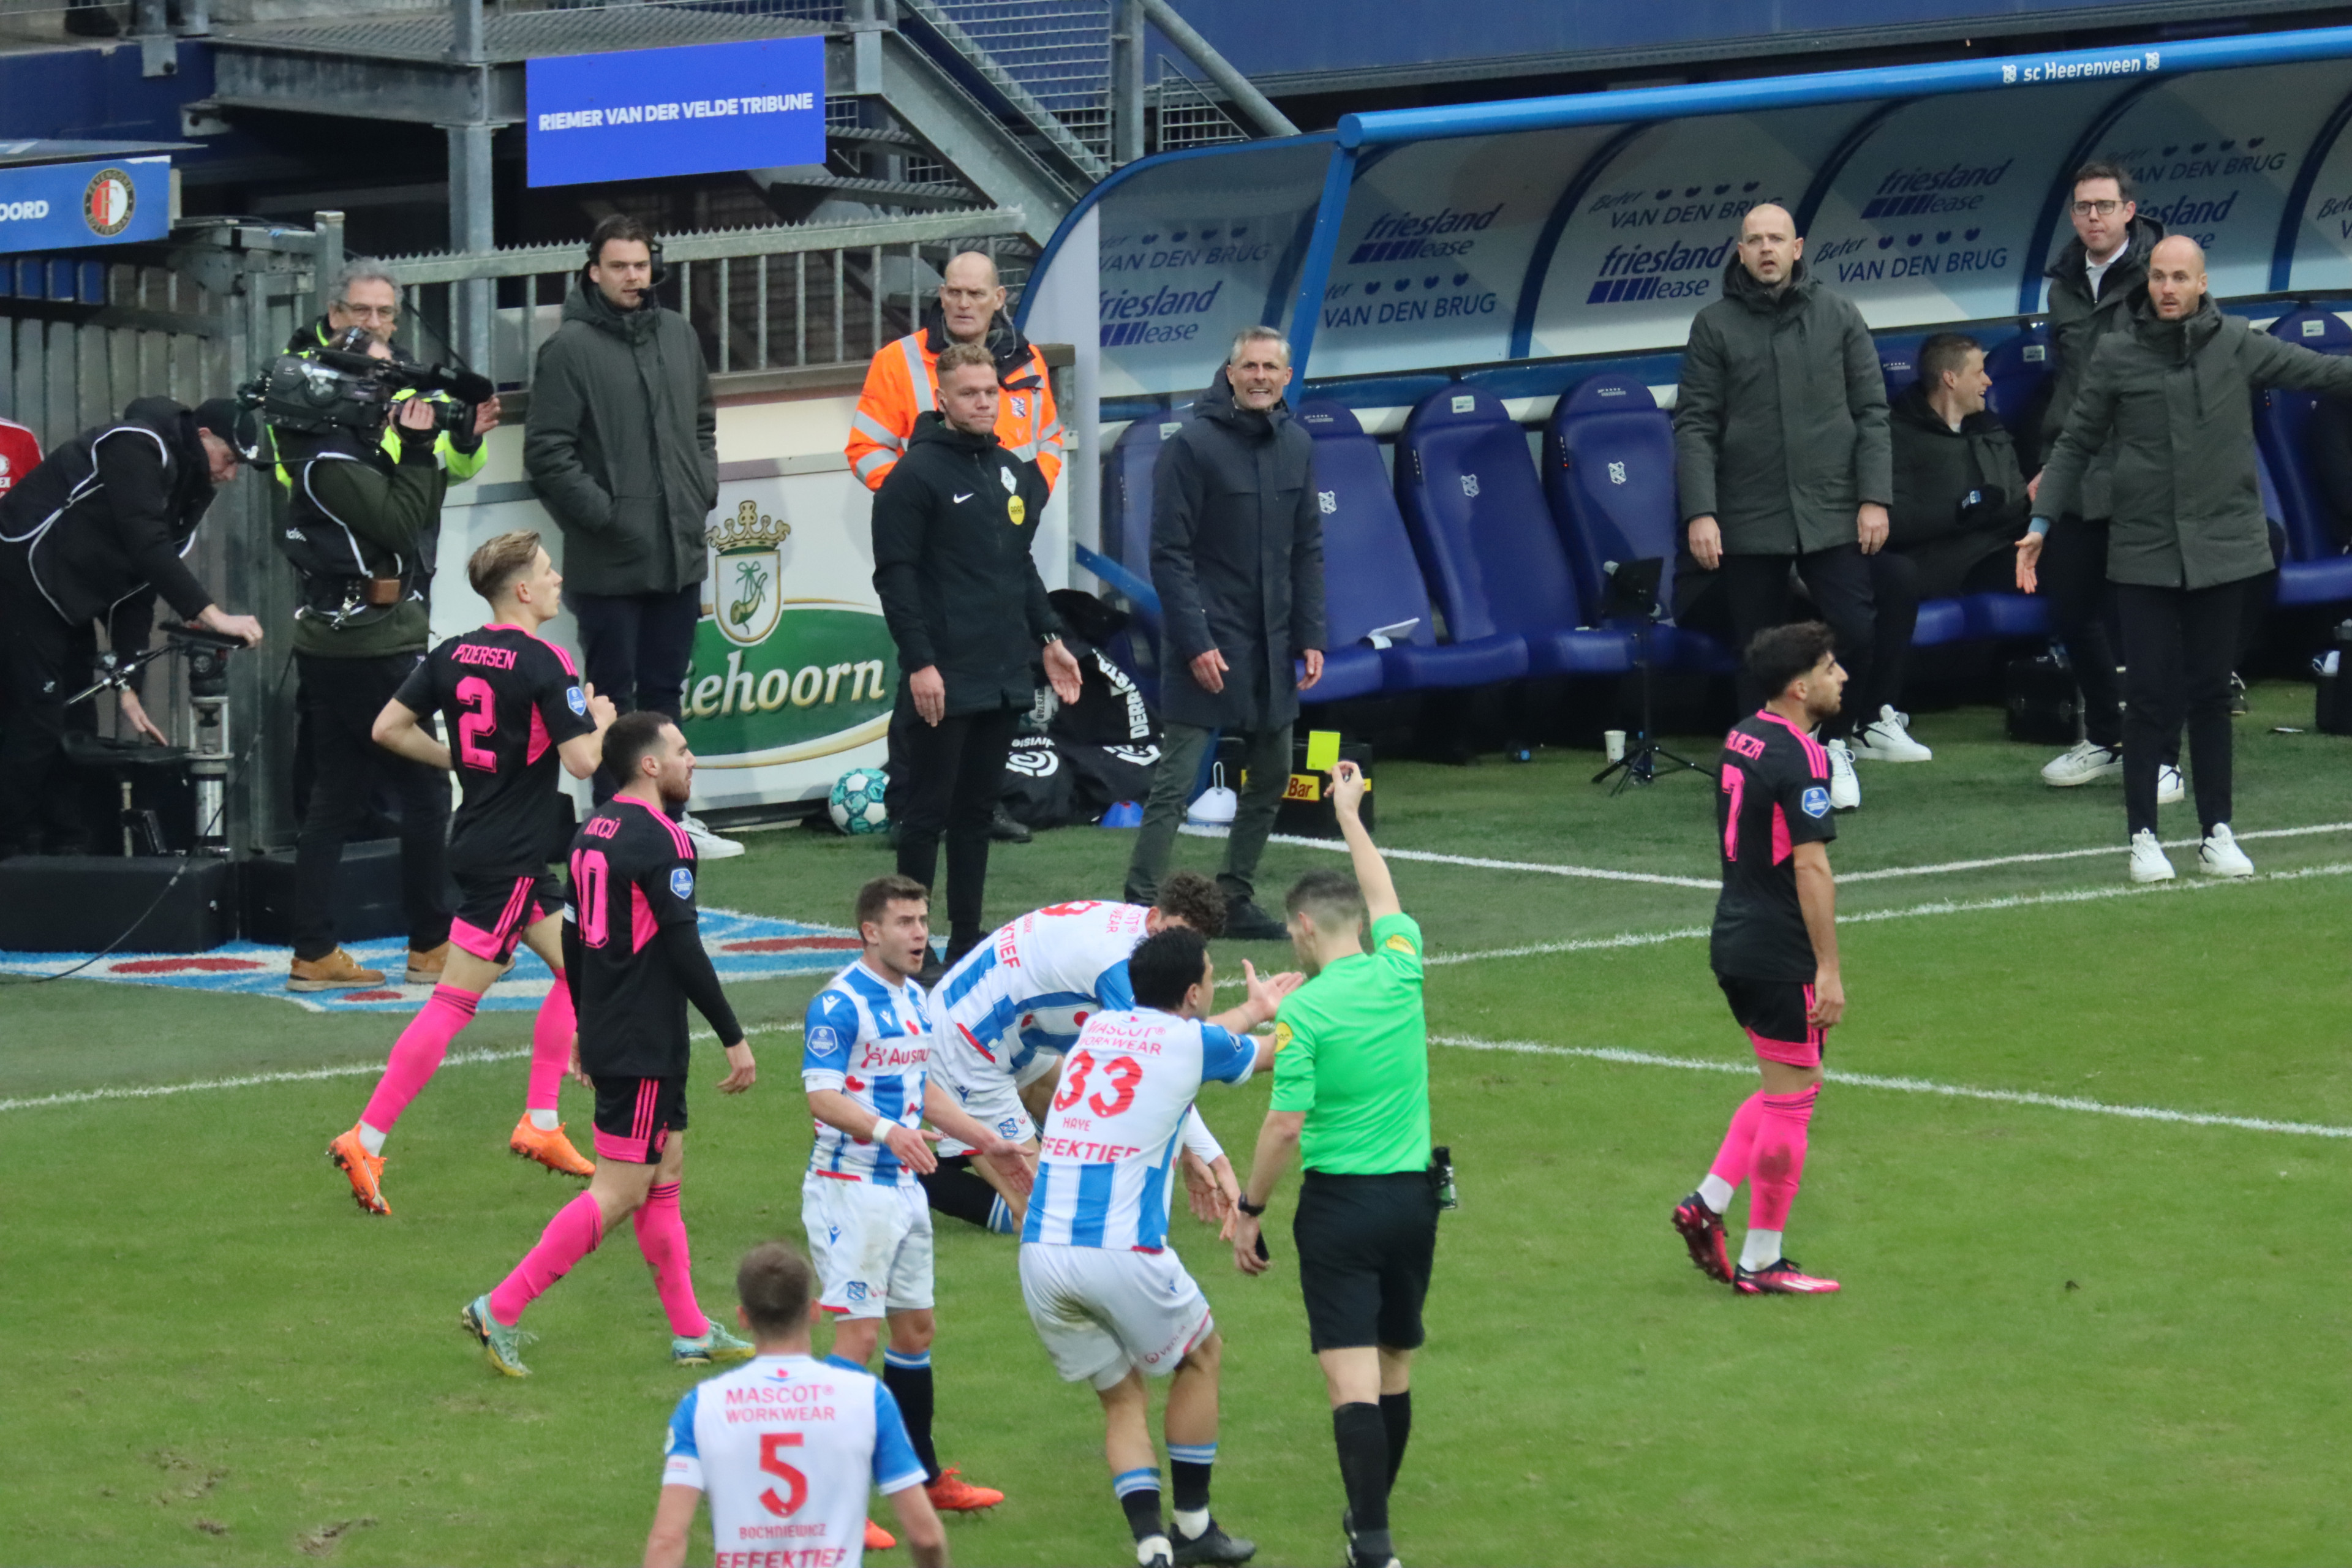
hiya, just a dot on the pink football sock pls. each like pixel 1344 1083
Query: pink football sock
pixel 569 1237
pixel 1779 1158
pixel 1732 1161
pixel 416 1055
pixel 551 1046
pixel 661 1237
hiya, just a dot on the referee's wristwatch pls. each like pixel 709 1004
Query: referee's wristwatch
pixel 1249 1208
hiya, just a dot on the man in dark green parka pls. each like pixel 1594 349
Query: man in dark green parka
pixel 2170 404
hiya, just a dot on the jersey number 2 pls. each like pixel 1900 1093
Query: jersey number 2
pixel 1124 1073
pixel 795 1484
pixel 479 719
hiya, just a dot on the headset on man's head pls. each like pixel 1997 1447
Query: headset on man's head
pixel 653 249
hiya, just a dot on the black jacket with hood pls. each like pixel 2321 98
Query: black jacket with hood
pixel 2077 322
pixel 1238 560
pixel 955 525
pixel 1958 494
pixel 1780 419
pixel 622 445
pixel 101 526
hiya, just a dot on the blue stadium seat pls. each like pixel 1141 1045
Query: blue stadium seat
pixel 2315 571
pixel 1472 503
pixel 1371 579
pixel 1609 477
pixel 2017 365
pixel 1126 489
pixel 1898 361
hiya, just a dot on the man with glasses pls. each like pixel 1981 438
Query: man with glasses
pixel 903 382
pixel 2092 285
pixel 366 296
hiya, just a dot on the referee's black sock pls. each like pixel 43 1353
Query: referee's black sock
pixel 908 1377
pixel 1396 1412
pixel 1362 1437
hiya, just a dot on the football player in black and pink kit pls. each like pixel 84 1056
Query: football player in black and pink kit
pixel 517 711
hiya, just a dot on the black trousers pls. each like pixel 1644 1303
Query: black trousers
pixel 340 699
pixel 2179 647
pixel 955 775
pixel 38 670
pixel 2073 578
pixel 635 648
pixel 1844 584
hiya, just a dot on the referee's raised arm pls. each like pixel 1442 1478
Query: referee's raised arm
pixel 1352 1098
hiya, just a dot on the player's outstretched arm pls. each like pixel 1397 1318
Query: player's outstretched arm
pixel 1817 897
pixel 397 731
pixel 918 1527
pixel 666 1544
pixel 1004 1165
pixel 1264 999
pixel 1348 786
pixel 911 1144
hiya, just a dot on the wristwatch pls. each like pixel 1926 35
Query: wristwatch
pixel 1249 1208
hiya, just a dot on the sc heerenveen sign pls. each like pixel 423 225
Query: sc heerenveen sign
pixel 704 108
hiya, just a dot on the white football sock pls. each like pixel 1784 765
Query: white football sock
pixel 1715 1193
pixel 1191 1521
pixel 544 1120
pixel 371 1140
pixel 1762 1249
pixel 1152 1547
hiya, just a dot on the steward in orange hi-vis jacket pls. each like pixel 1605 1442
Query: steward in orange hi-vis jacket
pixel 903 381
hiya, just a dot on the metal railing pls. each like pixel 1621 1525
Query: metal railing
pixel 791 297
pixel 79 338
pixel 1186 116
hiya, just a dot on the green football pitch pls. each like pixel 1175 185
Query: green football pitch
pixel 2081 1168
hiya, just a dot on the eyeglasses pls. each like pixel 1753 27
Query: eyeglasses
pixel 2102 209
pixel 967 296
pixel 368 312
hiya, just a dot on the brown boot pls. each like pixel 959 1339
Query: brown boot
pixel 339 970
pixel 425 968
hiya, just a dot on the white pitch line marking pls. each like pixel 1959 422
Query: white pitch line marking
pixel 1479 862
pixel 1906 1085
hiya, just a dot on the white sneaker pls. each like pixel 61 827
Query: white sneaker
pixel 1887 739
pixel 2148 860
pixel 2080 763
pixel 708 845
pixel 2169 790
pixel 1845 790
pixel 2219 856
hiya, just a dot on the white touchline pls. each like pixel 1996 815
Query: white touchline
pixel 1479 862
pixel 1905 1086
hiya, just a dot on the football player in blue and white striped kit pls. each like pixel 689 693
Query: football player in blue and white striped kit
pixel 787 1448
pixel 863 1057
pixel 1108 1296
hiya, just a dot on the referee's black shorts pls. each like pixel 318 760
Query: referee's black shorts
pixel 1365 1247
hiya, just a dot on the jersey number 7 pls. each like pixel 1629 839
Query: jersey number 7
pixel 795 1483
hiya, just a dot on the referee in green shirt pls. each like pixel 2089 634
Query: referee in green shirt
pixel 1351 1095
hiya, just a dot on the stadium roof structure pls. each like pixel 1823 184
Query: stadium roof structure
pixel 1414 240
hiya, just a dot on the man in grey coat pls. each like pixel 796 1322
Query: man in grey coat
pixel 2169 403
pixel 1237 559
pixel 622 445
pixel 1781 457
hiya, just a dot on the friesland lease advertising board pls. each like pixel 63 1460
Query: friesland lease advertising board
pixel 2322 251
pixel 1193 251
pixel 1647 245
pixel 1434 249
pixel 1931 217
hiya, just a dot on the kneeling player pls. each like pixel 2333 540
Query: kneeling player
pixel 518 710
pixel 865 1049
pixel 1007 1011
pixel 635 960
pixel 1111 1299
pixel 1775 953
pixel 788 1439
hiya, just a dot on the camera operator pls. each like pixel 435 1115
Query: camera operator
pixel 363 522
pixel 94 534
pixel 367 297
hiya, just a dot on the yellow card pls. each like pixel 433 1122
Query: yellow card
pixel 1322 751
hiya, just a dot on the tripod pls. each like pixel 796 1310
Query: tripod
pixel 1634 595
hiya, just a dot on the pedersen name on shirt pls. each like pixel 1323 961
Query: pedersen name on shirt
pixel 477 653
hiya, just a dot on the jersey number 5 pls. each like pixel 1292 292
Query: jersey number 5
pixel 479 719
pixel 795 1484
pixel 1124 1073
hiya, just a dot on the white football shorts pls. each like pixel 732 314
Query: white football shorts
pixel 871 1245
pixel 1101 1312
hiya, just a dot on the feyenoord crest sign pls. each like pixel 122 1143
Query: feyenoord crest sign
pixel 109 201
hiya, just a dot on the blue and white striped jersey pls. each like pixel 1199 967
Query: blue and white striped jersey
pixel 869 1039
pixel 1006 999
pixel 1118 1122
pixel 786 1449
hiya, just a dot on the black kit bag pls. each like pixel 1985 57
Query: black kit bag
pixel 1037 784
pixel 2043 705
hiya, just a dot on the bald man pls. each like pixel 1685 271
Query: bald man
pixel 903 379
pixel 1783 459
pixel 2169 400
